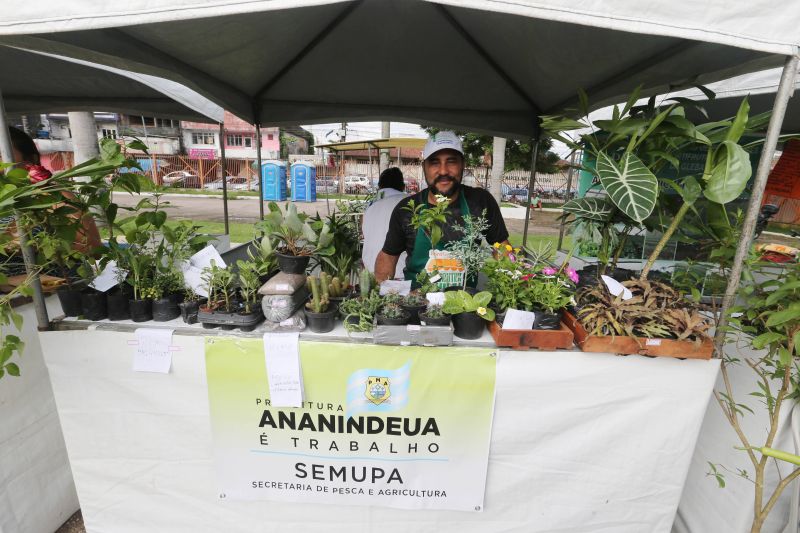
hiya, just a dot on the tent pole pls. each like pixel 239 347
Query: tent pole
pixel 785 91
pixel 28 256
pixel 566 198
pixel 224 169
pixel 531 183
pixel 260 178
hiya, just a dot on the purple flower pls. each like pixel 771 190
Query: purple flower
pixel 512 257
pixel 573 275
pixel 549 271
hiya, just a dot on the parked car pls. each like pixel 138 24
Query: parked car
pixel 180 178
pixel 357 185
pixel 235 183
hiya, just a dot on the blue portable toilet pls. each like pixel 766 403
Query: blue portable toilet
pixel 304 182
pixel 273 176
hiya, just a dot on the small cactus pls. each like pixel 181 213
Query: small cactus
pixel 319 296
pixel 365 280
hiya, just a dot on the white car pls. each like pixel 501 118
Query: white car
pixel 180 178
pixel 234 183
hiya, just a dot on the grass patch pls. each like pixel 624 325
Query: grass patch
pixel 786 229
pixel 239 231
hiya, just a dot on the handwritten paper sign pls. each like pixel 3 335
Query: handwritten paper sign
pixel 516 319
pixel 109 277
pixel 282 355
pixel 153 350
pixel 401 287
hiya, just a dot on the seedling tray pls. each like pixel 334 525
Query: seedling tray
pixel 231 320
pixel 625 345
pixel 524 339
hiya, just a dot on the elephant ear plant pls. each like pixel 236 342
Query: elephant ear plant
pixel 627 151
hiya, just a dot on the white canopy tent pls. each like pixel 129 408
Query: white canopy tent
pixel 488 65
pixel 40 83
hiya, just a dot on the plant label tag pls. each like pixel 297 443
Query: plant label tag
pixel 285 377
pixel 435 278
pixel 435 298
pixel 401 287
pixel 108 277
pixel 516 319
pixel 653 342
pixel 282 287
pixel 616 288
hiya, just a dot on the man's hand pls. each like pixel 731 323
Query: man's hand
pixel 385 266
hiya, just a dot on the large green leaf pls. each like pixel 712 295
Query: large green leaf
pixel 591 207
pixel 730 173
pixel 630 185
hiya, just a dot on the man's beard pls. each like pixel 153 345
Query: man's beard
pixel 453 188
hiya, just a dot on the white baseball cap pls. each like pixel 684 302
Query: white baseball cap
pixel 444 140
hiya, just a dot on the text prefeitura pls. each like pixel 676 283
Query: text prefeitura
pixel 370 425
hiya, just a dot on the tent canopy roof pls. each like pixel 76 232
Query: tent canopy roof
pixel 493 66
pixel 38 83
pixel 392 142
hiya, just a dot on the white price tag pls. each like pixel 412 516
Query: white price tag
pixel 653 342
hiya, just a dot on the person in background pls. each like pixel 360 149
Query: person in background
pixel 443 166
pixel 26 155
pixel 391 189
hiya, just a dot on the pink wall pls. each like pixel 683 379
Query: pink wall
pixel 234 124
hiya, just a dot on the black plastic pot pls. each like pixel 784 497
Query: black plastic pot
pixel 93 304
pixel 165 309
pixel 189 311
pixel 177 297
pixel 547 320
pixel 413 312
pixel 443 320
pixel 70 301
pixel 141 310
pixel 117 304
pixel 293 264
pixel 468 325
pixel 321 322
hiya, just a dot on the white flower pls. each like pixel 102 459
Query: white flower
pixel 440 199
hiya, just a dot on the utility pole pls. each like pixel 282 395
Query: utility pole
pixel 385 134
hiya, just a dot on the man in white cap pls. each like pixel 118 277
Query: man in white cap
pixel 443 166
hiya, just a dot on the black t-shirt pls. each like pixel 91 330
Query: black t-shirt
pixel 401 235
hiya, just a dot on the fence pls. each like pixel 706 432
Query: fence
pixel 788 209
pixel 193 173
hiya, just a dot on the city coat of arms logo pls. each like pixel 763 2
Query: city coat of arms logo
pixel 377 389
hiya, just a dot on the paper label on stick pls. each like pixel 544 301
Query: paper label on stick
pixel 616 288
pixel 401 287
pixel 152 350
pixel 109 277
pixel 435 298
pixel 653 342
pixel 516 319
pixel 282 355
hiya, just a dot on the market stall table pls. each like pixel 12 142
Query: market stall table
pixel 580 442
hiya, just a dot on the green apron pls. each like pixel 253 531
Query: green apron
pixel 422 245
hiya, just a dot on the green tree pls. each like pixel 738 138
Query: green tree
pixel 518 153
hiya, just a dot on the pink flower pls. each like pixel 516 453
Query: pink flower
pixel 37 173
pixel 526 277
pixel 512 257
pixel 573 275
pixel 549 271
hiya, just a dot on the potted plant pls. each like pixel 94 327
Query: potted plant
pixel 470 313
pixel 434 316
pixel 219 285
pixel 414 303
pixel 262 253
pixel 168 284
pixel 298 240
pixel 249 283
pixel 189 306
pixel 320 313
pixel 392 314
pixel 550 292
pixel 359 311
pixel 470 248
pixel 57 249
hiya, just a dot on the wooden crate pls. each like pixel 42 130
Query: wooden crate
pixel 624 345
pixel 524 339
